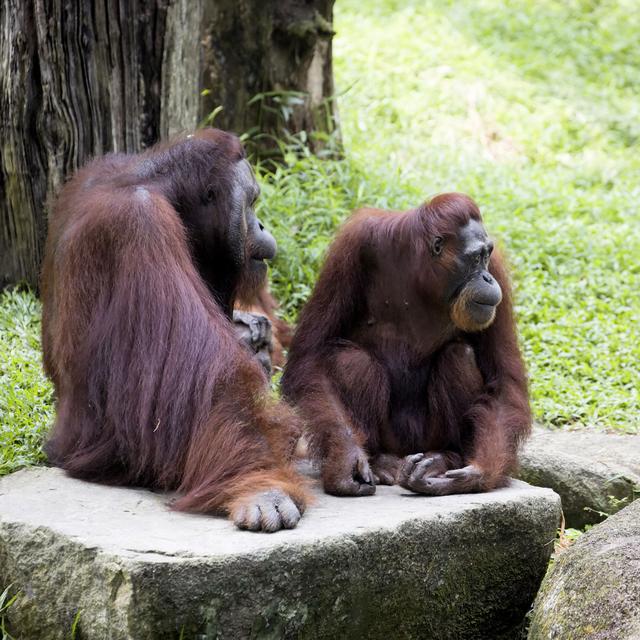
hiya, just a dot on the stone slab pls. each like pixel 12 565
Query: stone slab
pixel 594 473
pixel 390 565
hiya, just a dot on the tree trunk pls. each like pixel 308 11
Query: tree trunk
pixel 267 70
pixel 79 78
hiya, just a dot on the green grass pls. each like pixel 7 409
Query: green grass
pixel 25 394
pixel 531 107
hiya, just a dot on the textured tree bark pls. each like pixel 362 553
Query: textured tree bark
pixel 79 78
pixel 267 69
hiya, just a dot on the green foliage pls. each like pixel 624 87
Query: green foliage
pixel 531 107
pixel 74 625
pixel 25 394
pixel 5 603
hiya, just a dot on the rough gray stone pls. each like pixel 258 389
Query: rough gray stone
pixel 593 588
pixel 585 468
pixel 394 565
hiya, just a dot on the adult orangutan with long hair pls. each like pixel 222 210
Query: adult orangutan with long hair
pixel 405 362
pixel 144 259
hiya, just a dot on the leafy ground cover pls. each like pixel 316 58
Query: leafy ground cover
pixel 25 394
pixel 533 108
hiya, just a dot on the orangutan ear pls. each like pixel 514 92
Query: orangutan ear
pixel 437 245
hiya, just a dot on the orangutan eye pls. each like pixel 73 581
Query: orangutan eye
pixel 437 245
pixel 211 195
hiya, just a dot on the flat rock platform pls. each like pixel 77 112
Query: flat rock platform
pixel 117 563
